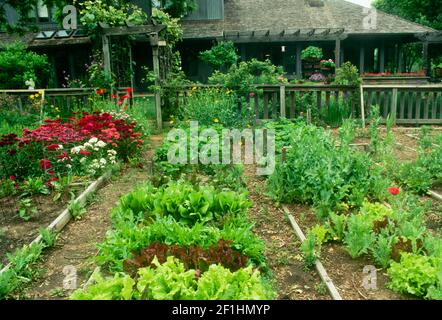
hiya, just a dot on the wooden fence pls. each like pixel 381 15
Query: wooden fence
pixel 421 104
pixel 408 104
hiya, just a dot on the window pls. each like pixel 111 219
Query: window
pixel 208 10
pixel 41 13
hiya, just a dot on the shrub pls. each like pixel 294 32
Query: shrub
pixel 17 65
pixel 221 56
pixel 348 74
pixel 243 76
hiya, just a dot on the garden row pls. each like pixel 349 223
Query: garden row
pixel 358 202
pixel 185 234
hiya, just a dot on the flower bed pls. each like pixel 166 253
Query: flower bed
pixel 41 171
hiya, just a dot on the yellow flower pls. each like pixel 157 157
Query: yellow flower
pixel 194 88
pixel 216 120
pixel 171 122
pixel 31 97
pixel 40 92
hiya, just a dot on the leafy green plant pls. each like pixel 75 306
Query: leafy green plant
pixel 21 269
pixel 311 250
pixel 318 172
pixel 312 53
pixel 170 281
pixel 348 74
pixel 414 274
pixel 27 210
pixel 382 249
pixel 34 186
pixel 76 209
pixel 49 238
pixel 183 202
pixel 359 236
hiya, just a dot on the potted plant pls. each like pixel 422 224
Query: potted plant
pixel 311 53
pixel 328 64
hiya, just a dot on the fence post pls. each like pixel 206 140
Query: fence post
pixel 361 93
pixel 282 101
pixel 394 105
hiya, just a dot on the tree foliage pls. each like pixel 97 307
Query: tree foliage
pixel 221 56
pixel 426 12
pixel 17 65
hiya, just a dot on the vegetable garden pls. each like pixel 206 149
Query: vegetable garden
pixel 94 207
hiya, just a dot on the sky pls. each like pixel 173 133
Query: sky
pixel 365 3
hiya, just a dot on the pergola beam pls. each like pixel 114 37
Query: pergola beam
pixel 126 30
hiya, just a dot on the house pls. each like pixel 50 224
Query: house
pixel 264 29
pixel 281 29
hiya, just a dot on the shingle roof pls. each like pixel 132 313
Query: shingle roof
pixel 279 15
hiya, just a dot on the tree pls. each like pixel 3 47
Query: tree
pixel 426 12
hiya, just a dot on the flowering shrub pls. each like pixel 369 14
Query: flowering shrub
pixel 317 77
pixel 84 146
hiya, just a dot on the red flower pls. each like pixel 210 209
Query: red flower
pixel 129 90
pixel 45 164
pixel 85 152
pixel 12 178
pixel 252 94
pixel 114 96
pixel 52 147
pixel 394 191
pixel 101 91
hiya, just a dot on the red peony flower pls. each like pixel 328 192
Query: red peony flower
pixel 45 164
pixel 114 96
pixel 129 90
pixel 394 191
pixel 85 152
pixel 12 178
pixel 101 91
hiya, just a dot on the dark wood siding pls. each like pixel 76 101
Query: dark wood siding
pixel 208 10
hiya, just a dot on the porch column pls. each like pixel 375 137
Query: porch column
pixel 156 68
pixel 361 59
pixel 425 60
pixel 298 62
pixel 106 54
pixel 338 53
pixel 401 59
pixel 382 58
